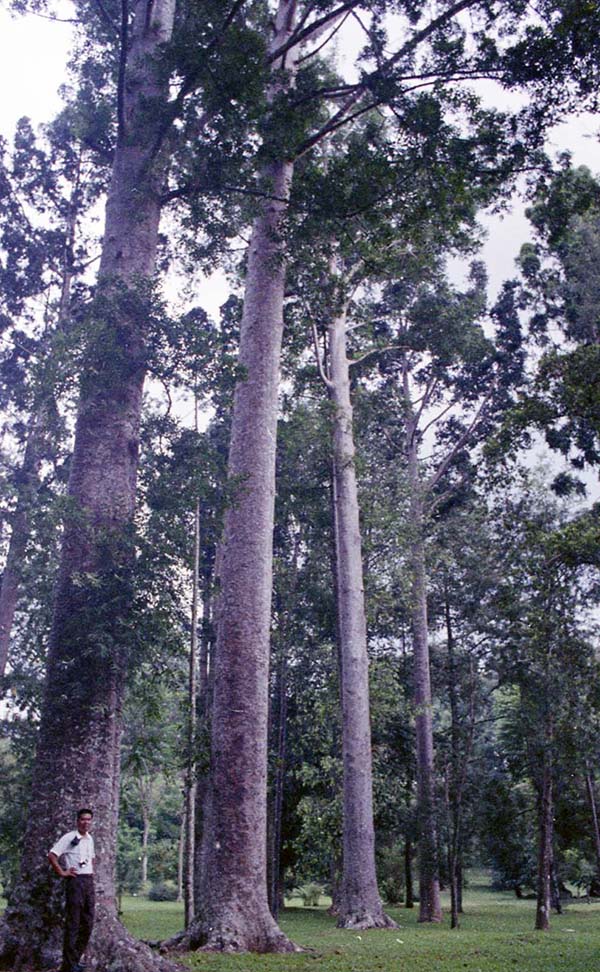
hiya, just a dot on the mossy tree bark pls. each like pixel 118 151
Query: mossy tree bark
pixel 77 759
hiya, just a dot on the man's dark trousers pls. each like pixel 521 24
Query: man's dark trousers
pixel 79 919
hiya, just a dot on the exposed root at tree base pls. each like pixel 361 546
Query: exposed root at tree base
pixel 113 949
pixel 364 922
pixel 228 941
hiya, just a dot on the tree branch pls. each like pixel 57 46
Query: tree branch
pixel 313 30
pixel 326 41
pixel 373 352
pixel 462 440
pixel 326 381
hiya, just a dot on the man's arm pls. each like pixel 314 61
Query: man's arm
pixel 54 864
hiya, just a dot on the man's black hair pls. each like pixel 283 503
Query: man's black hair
pixel 83 810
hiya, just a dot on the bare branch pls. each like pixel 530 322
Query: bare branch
pixel 342 116
pixel 326 41
pixel 373 352
pixel 314 30
pixel 427 396
pixel 462 440
pixel 326 381
pixel 440 415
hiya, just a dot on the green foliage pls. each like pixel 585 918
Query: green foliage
pixel 310 894
pixel 163 891
pixel 391 873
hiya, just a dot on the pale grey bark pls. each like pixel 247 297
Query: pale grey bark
pixel 77 759
pixel 235 913
pixel 429 885
pixel 359 903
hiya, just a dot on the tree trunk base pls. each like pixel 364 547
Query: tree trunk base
pixel 230 939
pixel 111 949
pixel 364 921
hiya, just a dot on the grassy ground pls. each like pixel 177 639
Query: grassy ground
pixel 496 935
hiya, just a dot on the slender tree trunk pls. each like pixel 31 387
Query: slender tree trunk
pixel 235 912
pixel 190 782
pixel 145 836
pixel 546 811
pixel 459 883
pixel 77 759
pixel 591 792
pixel 429 885
pixel 180 858
pixel 204 697
pixel 409 899
pixel 360 905
pixel 454 788
pixel 275 889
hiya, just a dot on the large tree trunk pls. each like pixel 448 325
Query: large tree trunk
pixel 77 759
pixel 429 886
pixel 359 903
pixel 235 913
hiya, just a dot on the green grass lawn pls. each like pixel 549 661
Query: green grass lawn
pixel 496 935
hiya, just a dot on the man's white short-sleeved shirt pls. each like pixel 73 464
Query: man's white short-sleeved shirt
pixel 79 855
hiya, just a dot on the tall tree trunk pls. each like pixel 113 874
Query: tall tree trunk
pixel 591 792
pixel 145 839
pixel 429 886
pixel 409 898
pixel 190 781
pixel 235 912
pixel 205 667
pixel 546 812
pixel 454 787
pixel 180 858
pixel 275 889
pixel 359 905
pixel 78 753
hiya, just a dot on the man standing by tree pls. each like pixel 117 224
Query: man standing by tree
pixel 77 849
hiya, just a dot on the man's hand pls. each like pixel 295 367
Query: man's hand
pixel 72 872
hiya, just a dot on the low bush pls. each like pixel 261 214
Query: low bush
pixel 163 891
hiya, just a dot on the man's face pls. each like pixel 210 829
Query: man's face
pixel 84 822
